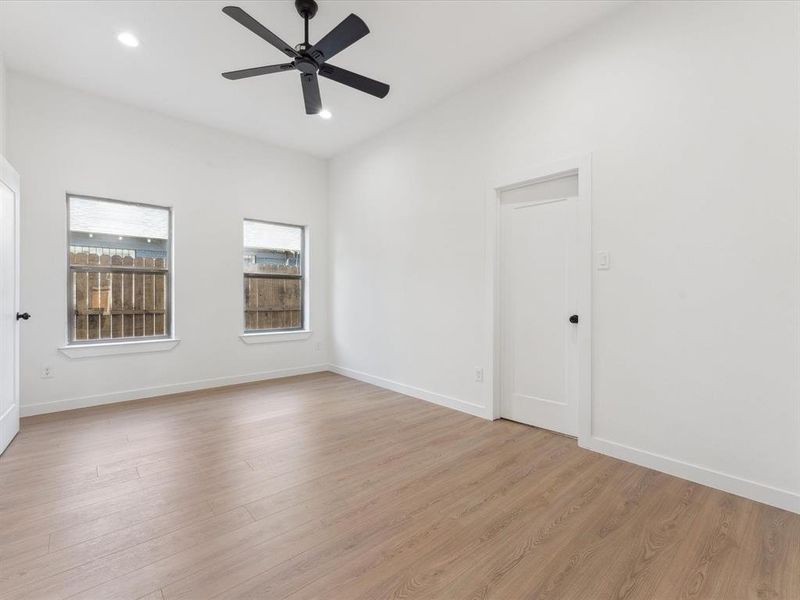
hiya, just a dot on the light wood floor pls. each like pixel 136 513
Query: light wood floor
pixel 324 487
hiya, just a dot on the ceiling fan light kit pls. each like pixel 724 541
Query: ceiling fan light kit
pixel 310 60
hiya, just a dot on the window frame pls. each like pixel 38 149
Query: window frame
pixel 168 292
pixel 304 301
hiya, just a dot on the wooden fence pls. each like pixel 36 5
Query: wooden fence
pixel 116 297
pixel 272 302
pixel 124 297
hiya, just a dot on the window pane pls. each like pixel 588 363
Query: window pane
pixel 272 303
pixel 273 276
pixel 271 248
pixel 119 280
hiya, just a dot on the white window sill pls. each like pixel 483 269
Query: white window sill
pixel 268 337
pixel 113 348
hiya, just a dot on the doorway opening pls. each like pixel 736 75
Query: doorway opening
pixel 542 299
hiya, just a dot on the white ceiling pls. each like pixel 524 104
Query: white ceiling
pixel 424 49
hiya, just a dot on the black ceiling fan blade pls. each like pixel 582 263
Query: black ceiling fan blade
pixel 242 73
pixel 354 80
pixel 241 17
pixel 311 93
pixel 340 37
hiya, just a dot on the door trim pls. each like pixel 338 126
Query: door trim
pixel 10 177
pixel 580 166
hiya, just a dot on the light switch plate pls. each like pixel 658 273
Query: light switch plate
pixel 603 261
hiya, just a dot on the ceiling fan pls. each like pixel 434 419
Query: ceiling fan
pixel 311 60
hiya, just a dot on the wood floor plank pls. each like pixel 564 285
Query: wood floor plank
pixel 538 510
pixel 77 524
pixel 638 568
pixel 74 555
pixel 767 562
pixel 575 564
pixel 328 514
pixel 72 511
pixel 323 487
pixel 371 516
pixel 429 518
pixel 538 554
pixel 703 550
pixel 97 571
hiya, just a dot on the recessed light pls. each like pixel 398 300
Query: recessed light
pixel 325 114
pixel 126 38
pixel 119 237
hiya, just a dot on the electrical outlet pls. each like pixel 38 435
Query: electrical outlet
pixel 478 375
pixel 47 372
pixel 318 347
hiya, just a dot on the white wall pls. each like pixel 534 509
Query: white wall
pixel 2 106
pixel 63 140
pixel 690 113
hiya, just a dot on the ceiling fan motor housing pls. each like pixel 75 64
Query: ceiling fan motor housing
pixel 306 8
pixel 305 65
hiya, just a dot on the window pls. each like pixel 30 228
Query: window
pixel 274 276
pixel 119 270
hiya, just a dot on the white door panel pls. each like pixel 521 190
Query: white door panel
pixel 9 302
pixel 539 344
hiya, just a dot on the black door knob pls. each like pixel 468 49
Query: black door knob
pixel 23 316
pixel 573 319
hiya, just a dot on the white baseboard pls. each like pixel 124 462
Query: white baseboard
pixel 722 481
pixel 162 390
pixel 415 392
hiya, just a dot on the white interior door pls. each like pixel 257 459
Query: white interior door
pixel 539 346
pixel 9 304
